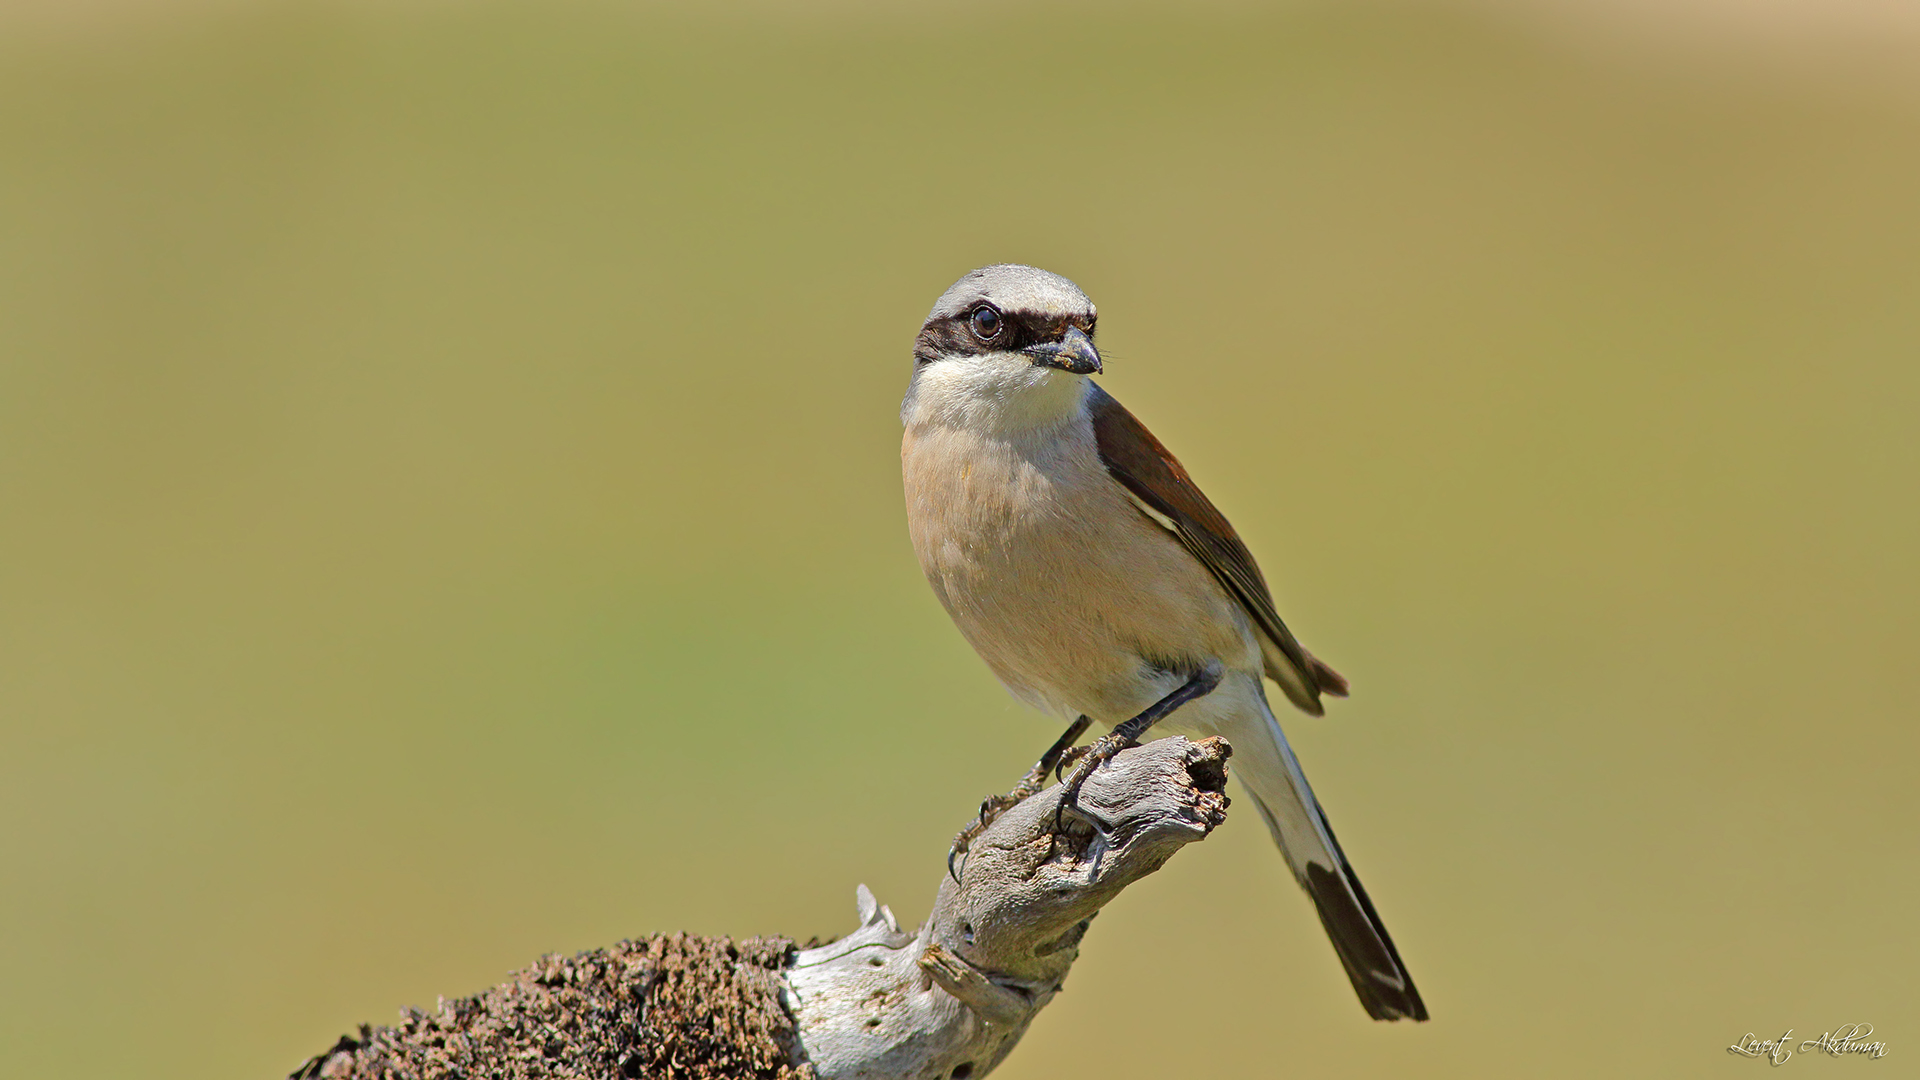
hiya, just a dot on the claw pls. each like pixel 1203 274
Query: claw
pixel 1098 849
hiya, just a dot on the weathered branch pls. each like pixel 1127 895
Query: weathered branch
pixel 948 1001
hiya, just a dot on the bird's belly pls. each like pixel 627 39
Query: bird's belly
pixel 1074 599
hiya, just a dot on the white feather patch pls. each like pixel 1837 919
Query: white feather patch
pixel 1000 393
pixel 1159 518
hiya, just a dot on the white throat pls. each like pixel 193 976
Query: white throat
pixel 1003 394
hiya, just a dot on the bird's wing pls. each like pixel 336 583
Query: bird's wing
pixel 1162 489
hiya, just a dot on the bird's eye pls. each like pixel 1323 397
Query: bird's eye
pixel 986 323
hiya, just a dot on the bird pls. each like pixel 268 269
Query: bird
pixel 1100 585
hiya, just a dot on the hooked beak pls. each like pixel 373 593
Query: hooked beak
pixel 1074 353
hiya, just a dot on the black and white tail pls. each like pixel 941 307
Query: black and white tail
pixel 1266 766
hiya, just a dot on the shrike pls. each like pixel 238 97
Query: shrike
pixel 1093 577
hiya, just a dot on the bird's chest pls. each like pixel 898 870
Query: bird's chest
pixel 1074 599
pixel 998 524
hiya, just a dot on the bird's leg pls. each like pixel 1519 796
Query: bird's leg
pixel 1062 750
pixel 1125 734
pixel 1057 756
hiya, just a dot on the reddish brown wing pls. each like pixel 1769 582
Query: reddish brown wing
pixel 1144 467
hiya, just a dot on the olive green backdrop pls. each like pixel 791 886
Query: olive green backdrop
pixel 449 512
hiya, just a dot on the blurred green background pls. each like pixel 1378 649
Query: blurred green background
pixel 449 508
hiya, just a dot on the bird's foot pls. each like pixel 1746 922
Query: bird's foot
pixel 1108 746
pixel 1089 758
pixel 1058 756
pixel 991 808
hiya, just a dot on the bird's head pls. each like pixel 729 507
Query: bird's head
pixel 1013 340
